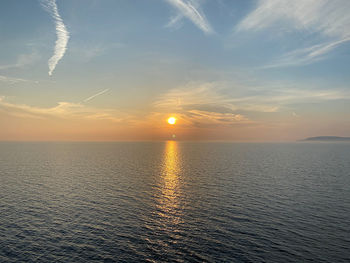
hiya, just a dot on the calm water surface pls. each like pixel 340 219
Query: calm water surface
pixel 174 202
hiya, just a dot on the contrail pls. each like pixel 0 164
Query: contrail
pixel 61 32
pixel 188 9
pixel 97 94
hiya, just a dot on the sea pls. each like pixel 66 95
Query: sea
pixel 174 202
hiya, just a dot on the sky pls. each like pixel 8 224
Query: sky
pixel 115 70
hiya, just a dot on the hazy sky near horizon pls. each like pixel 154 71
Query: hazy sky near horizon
pixel 244 70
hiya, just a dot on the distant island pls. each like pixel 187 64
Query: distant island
pixel 327 139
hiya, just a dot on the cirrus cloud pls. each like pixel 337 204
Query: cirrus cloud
pixel 327 22
pixel 61 33
pixel 190 10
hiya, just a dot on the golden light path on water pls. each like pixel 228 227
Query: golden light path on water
pixel 170 184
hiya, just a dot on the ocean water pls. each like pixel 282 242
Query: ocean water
pixel 174 202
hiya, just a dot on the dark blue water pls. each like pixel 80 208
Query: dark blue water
pixel 174 202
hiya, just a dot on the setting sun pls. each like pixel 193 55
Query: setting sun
pixel 172 120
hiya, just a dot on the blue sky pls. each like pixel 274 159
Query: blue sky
pixel 229 70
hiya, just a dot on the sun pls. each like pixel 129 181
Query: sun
pixel 172 120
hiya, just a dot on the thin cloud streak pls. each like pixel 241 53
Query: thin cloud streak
pixel 188 9
pixel 95 95
pixel 210 98
pixel 305 56
pixel 63 110
pixel 200 105
pixel 61 32
pixel 12 80
pixel 22 61
pixel 329 20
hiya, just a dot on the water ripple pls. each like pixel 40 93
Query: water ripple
pixel 174 202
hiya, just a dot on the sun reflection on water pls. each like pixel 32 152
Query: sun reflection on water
pixel 170 190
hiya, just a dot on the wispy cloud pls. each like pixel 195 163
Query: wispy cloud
pixel 190 9
pixel 88 51
pixel 61 32
pixel 327 21
pixel 214 97
pixel 95 95
pixel 226 102
pixel 308 55
pixel 192 93
pixel 12 80
pixel 63 110
pixel 175 21
pixel 22 60
pixel 199 104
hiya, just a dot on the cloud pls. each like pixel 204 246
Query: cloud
pixel 213 97
pixel 227 103
pixel 308 55
pixel 95 95
pixel 210 118
pixel 190 10
pixel 87 52
pixel 63 110
pixel 12 80
pixel 192 93
pixel 175 21
pixel 61 32
pixel 325 21
pixel 199 104
pixel 22 60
